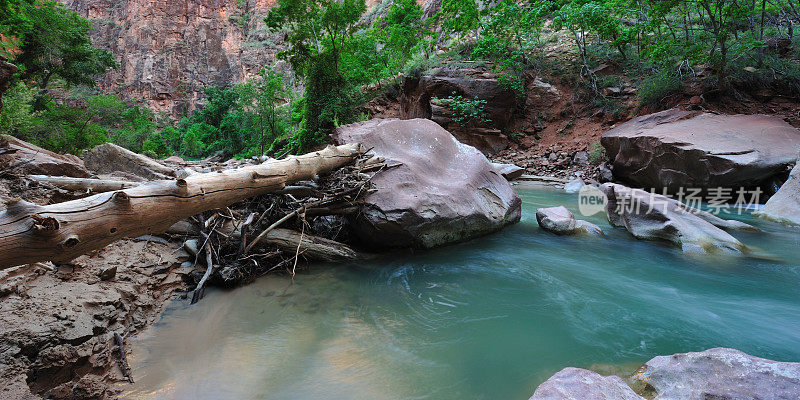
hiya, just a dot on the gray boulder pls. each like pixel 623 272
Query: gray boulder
pixel 574 186
pixel 23 157
pixel 650 216
pixel 442 191
pixel 717 374
pixel 109 158
pixel 784 206
pixel 560 221
pixel 676 148
pixel 581 384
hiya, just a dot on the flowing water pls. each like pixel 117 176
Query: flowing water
pixel 487 319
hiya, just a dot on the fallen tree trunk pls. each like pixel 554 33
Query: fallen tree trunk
pixel 311 247
pixel 84 184
pixel 61 232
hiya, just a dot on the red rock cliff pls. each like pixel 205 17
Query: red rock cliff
pixel 170 50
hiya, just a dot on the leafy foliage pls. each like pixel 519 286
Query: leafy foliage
pixel 55 43
pixel 465 111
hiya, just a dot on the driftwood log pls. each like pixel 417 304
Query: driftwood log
pixel 84 184
pixel 60 232
pixel 311 247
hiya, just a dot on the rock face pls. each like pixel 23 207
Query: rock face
pixel 582 384
pixel 442 192
pixel 651 216
pixel 718 374
pixel 169 51
pixel 560 221
pixel 419 101
pixel 31 159
pixel 784 206
pixel 676 148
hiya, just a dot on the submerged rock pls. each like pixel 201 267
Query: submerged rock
pixel 651 216
pixel 560 221
pixel 581 384
pixel 442 191
pixel 784 206
pixel 717 374
pixel 674 148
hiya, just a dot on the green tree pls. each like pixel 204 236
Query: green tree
pixel 264 96
pixel 403 28
pixel 318 31
pixel 459 16
pixel 17 116
pixel 55 43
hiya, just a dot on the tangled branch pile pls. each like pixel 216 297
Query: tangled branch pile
pixel 273 232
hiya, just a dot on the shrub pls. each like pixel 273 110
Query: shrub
pixel 597 153
pixel 657 87
pixel 465 111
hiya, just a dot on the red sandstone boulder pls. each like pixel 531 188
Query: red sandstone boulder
pixel 442 192
pixel 419 101
pixel 676 148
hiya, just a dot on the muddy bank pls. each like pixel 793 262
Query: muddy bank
pixel 57 322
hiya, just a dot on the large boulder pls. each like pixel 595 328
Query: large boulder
pixel 442 191
pixel 674 148
pixel 650 216
pixel 30 159
pixel 109 158
pixel 718 374
pixel 784 206
pixel 560 221
pixel 581 384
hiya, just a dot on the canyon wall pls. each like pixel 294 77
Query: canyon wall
pixel 169 50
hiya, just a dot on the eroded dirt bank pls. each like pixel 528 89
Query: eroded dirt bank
pixel 57 323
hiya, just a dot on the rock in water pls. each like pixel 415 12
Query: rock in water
pixel 509 171
pixel 442 191
pixel 574 186
pixel 582 384
pixel 650 216
pixel 560 221
pixel 784 206
pixel 31 159
pixel 718 374
pixel 676 148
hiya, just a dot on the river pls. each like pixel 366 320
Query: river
pixel 487 319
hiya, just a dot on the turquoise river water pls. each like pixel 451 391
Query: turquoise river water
pixel 487 319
